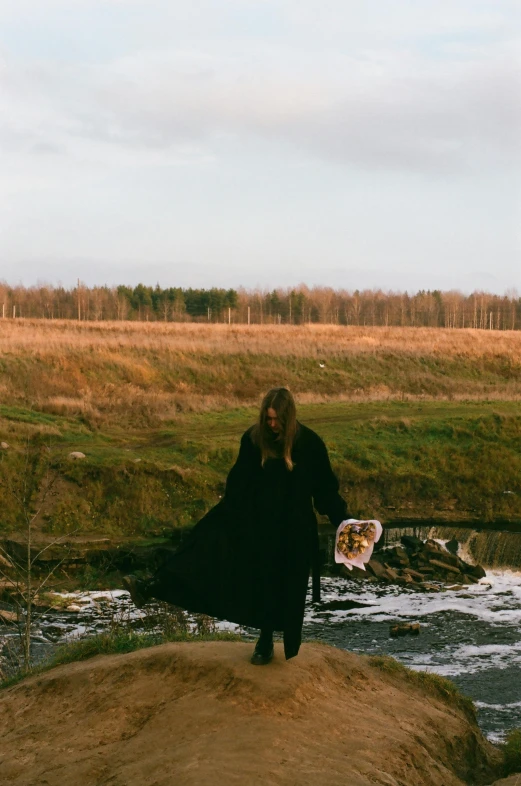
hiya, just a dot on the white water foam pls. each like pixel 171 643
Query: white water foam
pixel 496 600
pixel 106 606
pixel 482 705
pixel 473 659
pixel 465 631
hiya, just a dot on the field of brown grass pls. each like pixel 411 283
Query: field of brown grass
pixel 44 336
pixel 141 374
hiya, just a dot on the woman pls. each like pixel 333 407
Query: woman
pixel 248 560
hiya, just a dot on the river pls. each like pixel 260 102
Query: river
pixel 471 636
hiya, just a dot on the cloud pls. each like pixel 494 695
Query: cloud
pixel 381 109
pixel 261 129
pixel 420 87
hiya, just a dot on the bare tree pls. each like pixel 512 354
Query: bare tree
pixel 29 490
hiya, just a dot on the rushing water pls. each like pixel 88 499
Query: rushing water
pixel 472 636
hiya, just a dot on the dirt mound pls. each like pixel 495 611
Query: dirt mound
pixel 198 714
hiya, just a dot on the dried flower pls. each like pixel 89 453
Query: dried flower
pixel 356 538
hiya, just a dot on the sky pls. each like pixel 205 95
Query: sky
pixel 357 144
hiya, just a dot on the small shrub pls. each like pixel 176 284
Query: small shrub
pixel 512 752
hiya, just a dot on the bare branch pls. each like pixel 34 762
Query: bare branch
pixel 7 556
pixel 48 576
pixel 53 543
pixel 24 493
pixel 18 568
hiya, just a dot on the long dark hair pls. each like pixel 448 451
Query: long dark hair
pixel 282 401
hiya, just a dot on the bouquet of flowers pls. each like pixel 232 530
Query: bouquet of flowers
pixel 356 538
pixel 355 541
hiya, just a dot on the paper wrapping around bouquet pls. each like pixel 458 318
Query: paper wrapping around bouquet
pixel 370 534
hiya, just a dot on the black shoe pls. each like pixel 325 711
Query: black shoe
pixel 262 655
pixel 137 590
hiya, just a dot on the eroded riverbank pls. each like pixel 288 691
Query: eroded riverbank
pixel 471 636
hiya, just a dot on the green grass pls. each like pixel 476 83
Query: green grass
pixel 443 460
pixel 428 681
pixel 512 752
pixel 111 643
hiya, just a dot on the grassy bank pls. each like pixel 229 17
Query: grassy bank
pixel 512 752
pixel 419 422
pixel 432 683
pixel 445 460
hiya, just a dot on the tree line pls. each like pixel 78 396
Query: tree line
pixel 298 305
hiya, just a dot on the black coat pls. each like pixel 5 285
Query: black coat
pixel 248 559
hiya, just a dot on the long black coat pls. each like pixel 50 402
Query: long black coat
pixel 239 566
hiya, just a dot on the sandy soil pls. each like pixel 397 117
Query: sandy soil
pixel 513 780
pixel 198 714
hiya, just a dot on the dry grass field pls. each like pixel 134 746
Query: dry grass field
pixel 298 340
pixel 145 373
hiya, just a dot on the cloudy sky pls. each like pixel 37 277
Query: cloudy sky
pixel 350 143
